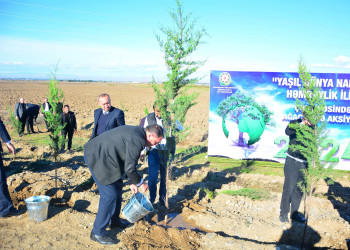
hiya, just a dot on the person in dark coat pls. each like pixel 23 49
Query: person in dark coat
pixel 21 113
pixel 32 115
pixel 106 117
pixel 68 119
pixel 293 174
pixel 109 156
pixel 6 206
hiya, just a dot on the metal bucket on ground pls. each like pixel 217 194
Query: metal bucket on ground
pixel 137 207
pixel 37 207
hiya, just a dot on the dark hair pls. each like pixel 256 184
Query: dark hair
pixel 66 106
pixel 155 129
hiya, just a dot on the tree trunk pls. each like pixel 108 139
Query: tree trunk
pixel 170 142
pixel 166 197
pixel 306 211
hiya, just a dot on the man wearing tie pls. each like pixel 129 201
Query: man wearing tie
pixel 106 117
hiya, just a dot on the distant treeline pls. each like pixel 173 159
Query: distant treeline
pixel 38 79
pixel 77 80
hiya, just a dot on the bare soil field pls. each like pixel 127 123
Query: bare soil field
pixel 197 219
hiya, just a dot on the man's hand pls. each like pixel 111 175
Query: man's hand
pixel 144 187
pixel 11 148
pixel 134 188
pixel 16 117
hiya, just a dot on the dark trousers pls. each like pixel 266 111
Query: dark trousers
pixel 5 199
pixel 292 194
pixel 70 133
pixel 30 124
pixel 154 165
pixel 109 206
pixel 46 123
pixel 23 121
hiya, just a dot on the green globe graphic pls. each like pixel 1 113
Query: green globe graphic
pixel 252 122
pixel 250 116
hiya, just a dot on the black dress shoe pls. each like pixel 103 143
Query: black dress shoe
pixel 296 216
pixel 284 218
pixel 104 240
pixel 120 223
pixel 15 212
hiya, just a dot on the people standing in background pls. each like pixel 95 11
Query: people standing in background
pixel 68 119
pixel 32 115
pixel 46 107
pixel 21 113
pixel 6 206
pixel 106 117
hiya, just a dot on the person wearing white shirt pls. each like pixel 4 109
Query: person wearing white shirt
pixel 155 163
pixel 46 106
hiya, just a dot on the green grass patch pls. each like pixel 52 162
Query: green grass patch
pixel 191 154
pixel 211 195
pixel 78 143
pixel 195 155
pixel 252 193
pixel 43 139
pixel 38 139
pixel 246 166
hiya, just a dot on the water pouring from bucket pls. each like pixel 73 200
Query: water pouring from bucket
pixel 137 208
pixel 37 207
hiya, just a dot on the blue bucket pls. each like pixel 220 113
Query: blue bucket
pixel 37 207
pixel 138 207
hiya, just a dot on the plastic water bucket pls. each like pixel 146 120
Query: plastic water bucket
pixel 137 207
pixel 37 207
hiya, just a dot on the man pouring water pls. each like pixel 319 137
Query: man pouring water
pixel 108 157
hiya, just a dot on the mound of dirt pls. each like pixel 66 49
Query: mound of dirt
pixel 144 236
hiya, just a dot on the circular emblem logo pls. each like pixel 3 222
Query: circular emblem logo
pixel 224 79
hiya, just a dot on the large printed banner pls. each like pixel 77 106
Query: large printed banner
pixel 249 112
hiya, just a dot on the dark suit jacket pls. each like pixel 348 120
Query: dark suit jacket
pixel 69 120
pixel 19 110
pixel 33 110
pixel 115 119
pixel 115 152
pixel 4 135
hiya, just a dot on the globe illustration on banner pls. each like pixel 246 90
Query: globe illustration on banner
pixel 249 116
pixel 252 122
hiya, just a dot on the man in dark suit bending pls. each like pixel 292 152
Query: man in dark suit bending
pixel 108 157
pixel 106 117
